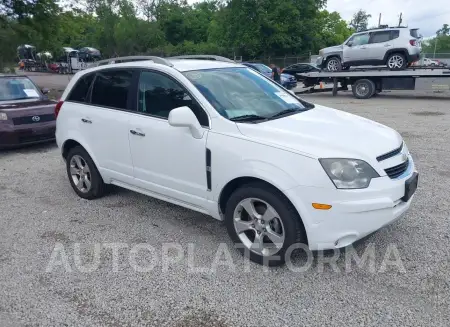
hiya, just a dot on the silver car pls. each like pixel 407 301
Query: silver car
pixel 396 48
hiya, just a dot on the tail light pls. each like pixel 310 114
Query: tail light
pixel 413 42
pixel 58 108
pixel 282 70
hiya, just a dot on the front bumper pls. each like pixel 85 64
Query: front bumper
pixel 354 213
pixel 320 62
pixel 13 136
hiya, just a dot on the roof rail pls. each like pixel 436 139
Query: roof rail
pixel 203 57
pixel 382 27
pixel 118 60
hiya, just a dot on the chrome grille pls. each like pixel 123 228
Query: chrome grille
pixel 390 154
pixel 398 170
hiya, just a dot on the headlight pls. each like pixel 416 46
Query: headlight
pixel 349 173
pixel 3 116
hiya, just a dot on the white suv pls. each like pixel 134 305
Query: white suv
pixel 221 139
pixel 394 47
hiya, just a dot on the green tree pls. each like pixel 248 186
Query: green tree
pixel 331 30
pixel 360 20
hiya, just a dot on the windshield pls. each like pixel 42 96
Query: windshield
pixel 239 92
pixel 16 88
pixel 263 68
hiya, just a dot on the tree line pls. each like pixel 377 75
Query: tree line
pixel 248 28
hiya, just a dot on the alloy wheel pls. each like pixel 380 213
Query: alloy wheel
pixel 333 65
pixel 396 61
pixel 80 173
pixel 259 226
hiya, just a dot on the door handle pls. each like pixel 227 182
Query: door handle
pixel 136 133
pixel 87 121
pixel 363 48
pixel 387 45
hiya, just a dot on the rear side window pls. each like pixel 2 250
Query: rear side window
pixel 111 88
pixel 379 37
pixel 80 91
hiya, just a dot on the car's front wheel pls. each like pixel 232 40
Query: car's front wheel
pixel 83 174
pixel 263 223
pixel 334 64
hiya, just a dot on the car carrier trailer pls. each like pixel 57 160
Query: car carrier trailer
pixel 365 82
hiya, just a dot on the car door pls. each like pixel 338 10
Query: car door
pixel 355 49
pixel 379 44
pixel 103 123
pixel 167 160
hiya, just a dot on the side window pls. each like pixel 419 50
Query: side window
pixel 159 94
pixel 379 37
pixel 80 91
pixel 361 39
pixel 111 88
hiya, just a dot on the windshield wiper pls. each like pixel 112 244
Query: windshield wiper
pixel 248 118
pixel 23 98
pixel 286 112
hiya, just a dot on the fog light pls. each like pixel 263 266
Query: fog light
pixel 321 206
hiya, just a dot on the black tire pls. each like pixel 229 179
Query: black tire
pixel 401 56
pixel 294 231
pixel 337 61
pixel 363 88
pixel 97 187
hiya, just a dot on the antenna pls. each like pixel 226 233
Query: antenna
pixel 400 20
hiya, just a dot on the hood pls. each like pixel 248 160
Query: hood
pixel 332 49
pixel 326 133
pixel 21 104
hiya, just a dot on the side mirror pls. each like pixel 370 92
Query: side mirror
pixel 349 43
pixel 184 117
pixel 45 90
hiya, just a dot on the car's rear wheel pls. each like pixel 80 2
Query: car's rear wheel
pixel 396 61
pixel 363 88
pixel 334 64
pixel 83 175
pixel 263 223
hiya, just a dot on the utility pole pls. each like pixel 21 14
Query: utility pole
pixel 435 44
pixel 379 20
pixel 400 20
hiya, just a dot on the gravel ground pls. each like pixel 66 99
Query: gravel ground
pixel 39 212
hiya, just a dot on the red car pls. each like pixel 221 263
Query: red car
pixel 26 113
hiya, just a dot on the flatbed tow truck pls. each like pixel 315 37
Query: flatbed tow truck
pixel 365 82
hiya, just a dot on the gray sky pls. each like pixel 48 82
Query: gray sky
pixel 425 15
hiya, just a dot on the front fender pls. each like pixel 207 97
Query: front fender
pixel 333 54
pixel 256 169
